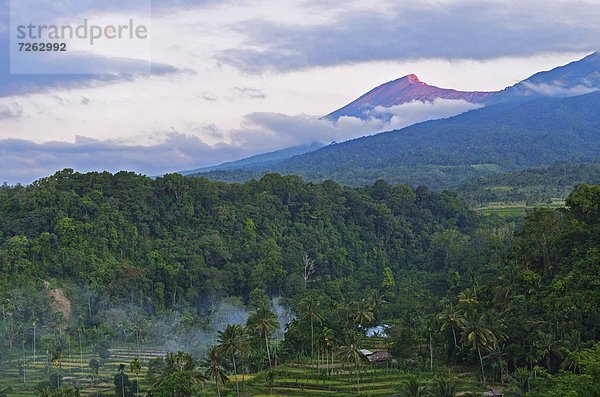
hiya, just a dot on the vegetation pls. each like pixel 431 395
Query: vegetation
pixel 125 285
pixel 442 154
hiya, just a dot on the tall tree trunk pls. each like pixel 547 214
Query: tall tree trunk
pixel 312 340
pixel 357 375
pixel 268 352
pixel 237 385
pixel 430 351
pixel 481 363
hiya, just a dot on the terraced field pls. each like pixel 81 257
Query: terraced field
pixel 74 371
pixel 293 380
pixel 304 381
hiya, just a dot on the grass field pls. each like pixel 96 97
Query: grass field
pixel 516 210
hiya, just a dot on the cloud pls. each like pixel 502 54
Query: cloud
pixel 406 114
pixel 23 161
pixel 452 29
pixel 285 131
pixel 11 111
pixel 556 90
pixel 251 93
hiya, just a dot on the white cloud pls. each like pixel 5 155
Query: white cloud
pixel 556 90
pixel 327 60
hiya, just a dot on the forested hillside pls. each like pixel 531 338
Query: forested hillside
pixel 111 260
pixel 443 153
pixel 531 186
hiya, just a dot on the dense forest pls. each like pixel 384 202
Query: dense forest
pixel 532 186
pixel 276 269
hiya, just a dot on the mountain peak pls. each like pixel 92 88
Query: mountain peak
pixel 412 78
pixel 400 91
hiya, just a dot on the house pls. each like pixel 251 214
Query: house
pixel 379 356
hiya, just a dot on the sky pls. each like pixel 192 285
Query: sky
pixel 235 78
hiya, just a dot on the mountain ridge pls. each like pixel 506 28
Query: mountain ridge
pixel 400 91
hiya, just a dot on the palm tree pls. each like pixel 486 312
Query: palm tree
pixel 442 387
pixel 451 319
pixel 351 353
pixel 328 347
pixel 136 367
pixel 478 337
pixel 363 312
pixel 546 346
pixel 309 308
pixel 412 388
pixel 571 344
pixel 214 370
pixel 230 342
pixel 267 323
pixel 179 366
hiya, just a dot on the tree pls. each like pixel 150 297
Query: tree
pixel 309 308
pixel 350 353
pixel 177 376
pixel 214 369
pixel 231 342
pixel 451 320
pixel 11 330
pixel 412 388
pixel 363 312
pixel 478 337
pixel 308 269
pixel 122 383
pixel 265 322
pixel 136 367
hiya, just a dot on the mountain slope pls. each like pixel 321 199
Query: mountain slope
pixel 404 90
pixel 576 78
pixel 259 159
pixel 443 153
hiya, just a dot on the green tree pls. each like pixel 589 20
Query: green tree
pixel 214 369
pixel 231 342
pixel 350 353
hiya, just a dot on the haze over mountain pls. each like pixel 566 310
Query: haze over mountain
pixel 503 110
pixel 403 90
pixel 264 159
pixel 442 153
pixel 576 78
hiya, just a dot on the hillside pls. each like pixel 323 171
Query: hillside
pixel 264 159
pixel 442 153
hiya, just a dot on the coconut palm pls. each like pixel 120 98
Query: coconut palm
pixel 327 338
pixel 309 307
pixel 442 387
pixel 412 388
pixel 266 323
pixel 451 319
pixel 214 369
pixel 477 335
pixel 180 369
pixel 136 367
pixel 231 342
pixel 363 312
pixel 350 353
pixel 546 346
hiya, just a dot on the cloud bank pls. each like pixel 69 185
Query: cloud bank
pixel 25 161
pixel 449 30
